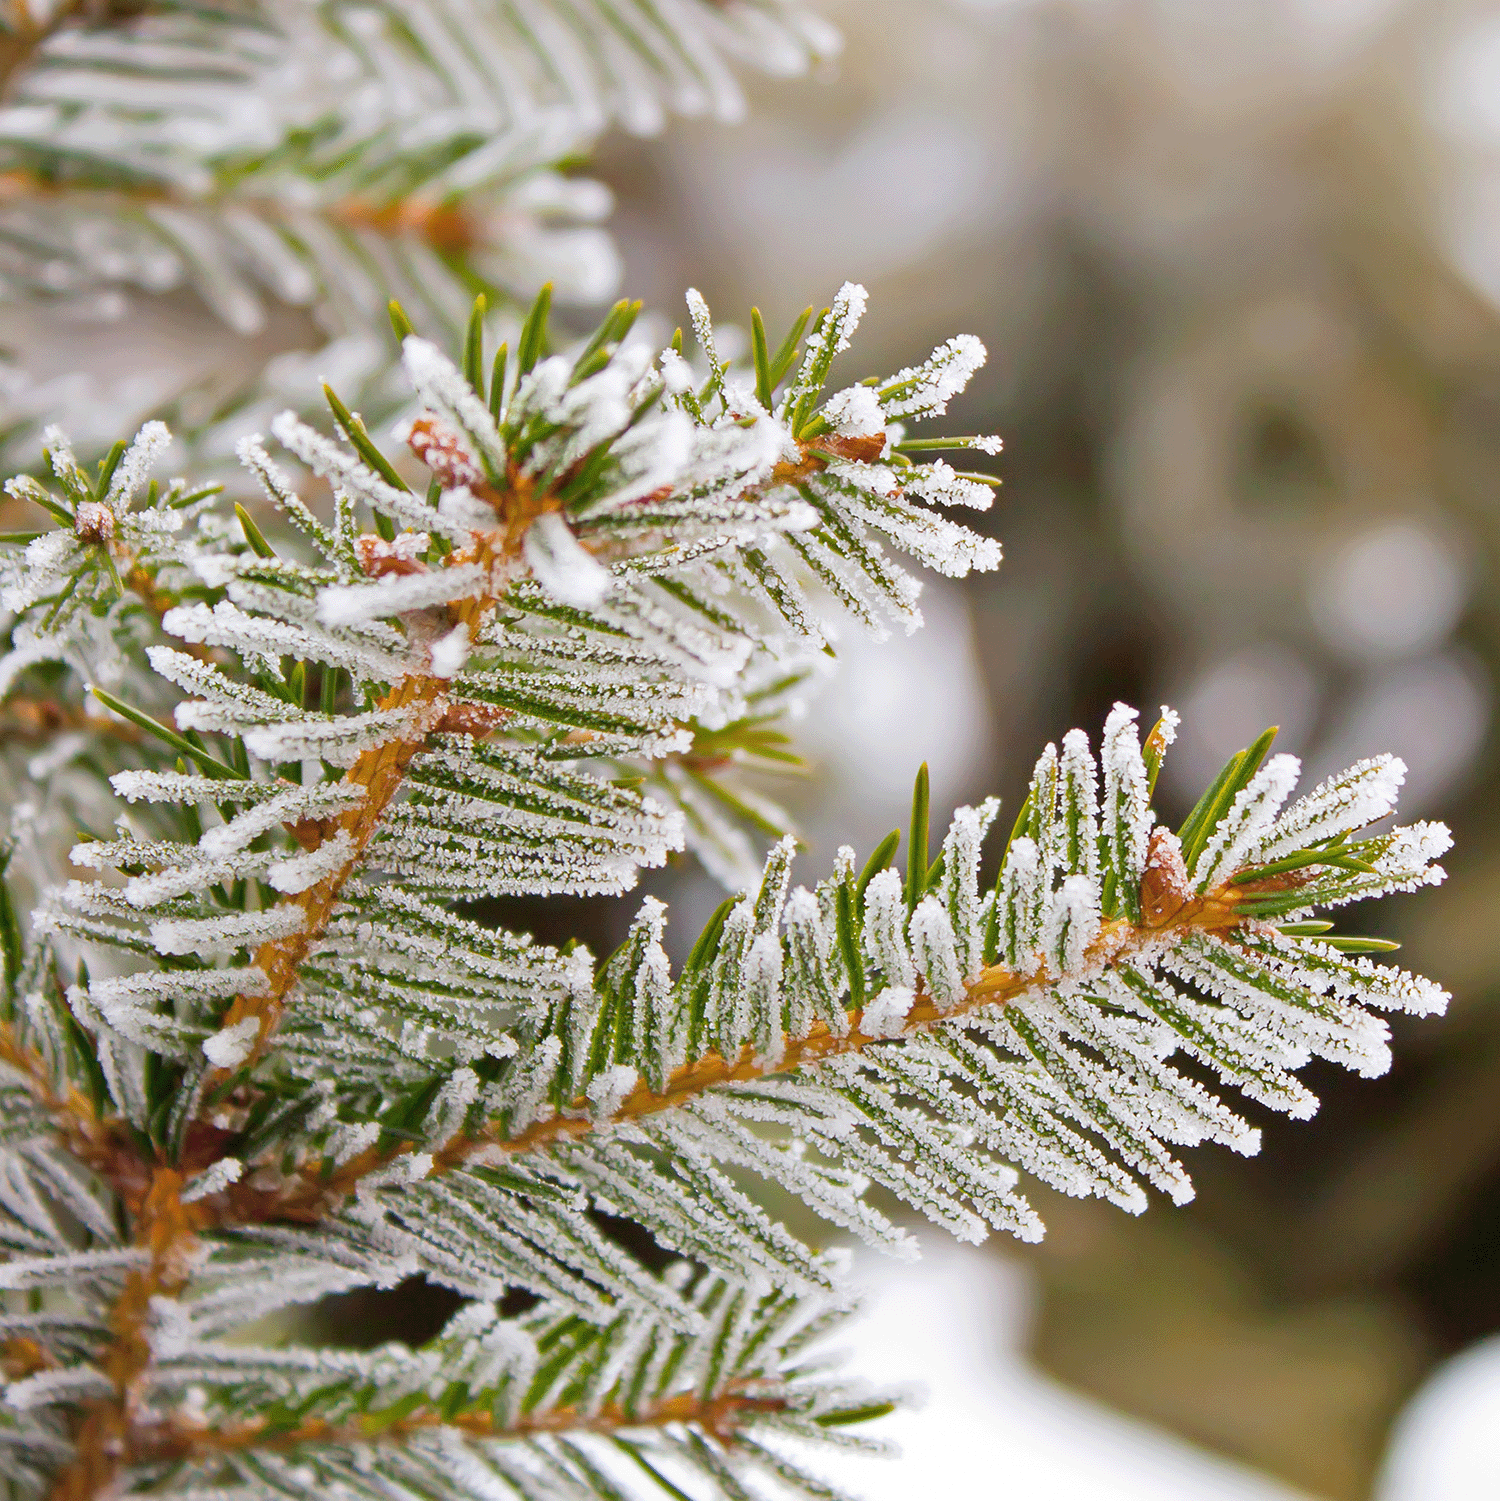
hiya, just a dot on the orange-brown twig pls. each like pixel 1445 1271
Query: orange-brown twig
pixel 720 1416
pixel 1168 913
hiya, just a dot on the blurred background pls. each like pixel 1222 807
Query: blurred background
pixel 1237 263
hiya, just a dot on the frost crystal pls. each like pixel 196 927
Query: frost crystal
pixel 855 412
pixel 562 566
pixel 885 1016
pixel 301 871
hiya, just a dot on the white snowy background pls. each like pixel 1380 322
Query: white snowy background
pixel 957 1324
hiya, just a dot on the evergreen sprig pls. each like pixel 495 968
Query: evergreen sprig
pixel 336 155
pixel 263 1055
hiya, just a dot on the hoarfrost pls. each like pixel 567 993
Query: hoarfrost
pixel 298 872
pixel 855 412
pixel 561 564
pixel 885 1016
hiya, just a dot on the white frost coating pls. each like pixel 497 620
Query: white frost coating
pixel 135 466
pixel 22 1273
pixel 183 787
pixel 1251 816
pixel 462 508
pixel 94 521
pixel 131 1004
pixel 350 1139
pixel 145 891
pixel 260 640
pixel 592 412
pixel 868 494
pixel 439 384
pixel 1409 856
pixel 1021 889
pixel 561 564
pixel 405 551
pixel 1322 968
pixel 1126 815
pixel 652 979
pixel 59 450
pixel 885 928
pixel 654 455
pixel 935 951
pixel 235 703
pixel 398 593
pixel 219 1175
pixel 848 308
pixel 341 741
pixel 1072 923
pixel 873 479
pixel 217 937
pixel 940 482
pixel 761 988
pixel 823 347
pixel 608 1089
pixel 72 1385
pixel 446 1117
pixel 529 1083
pixel 1077 781
pixel 925 390
pixel 1342 804
pixel 152 986
pixel 449 652
pixel 676 373
pixel 346 471
pixel 855 412
pixel 299 872
pixel 251 452
pixel 288 806
pixel 959 888
pixel 703 330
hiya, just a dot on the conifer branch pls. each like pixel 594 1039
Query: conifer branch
pixel 448 228
pixel 1169 912
pixel 380 772
pixel 720 1416
pixel 617 562
pixel 164 1229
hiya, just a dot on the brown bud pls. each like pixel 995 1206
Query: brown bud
pixel 378 557
pixel 308 832
pixel 94 522
pixel 1164 883
pixel 443 452
pixel 865 449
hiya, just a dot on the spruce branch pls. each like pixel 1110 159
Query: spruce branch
pixel 312 1072
pixel 425 698
pixel 447 228
pixel 1173 913
pixel 720 1416
pixel 1170 911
